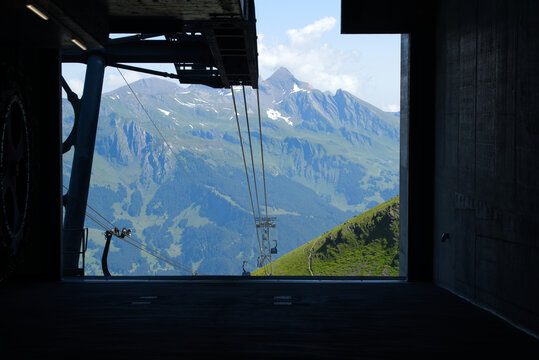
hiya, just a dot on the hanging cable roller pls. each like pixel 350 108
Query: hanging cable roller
pixel 134 242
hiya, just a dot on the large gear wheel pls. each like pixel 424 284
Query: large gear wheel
pixel 14 174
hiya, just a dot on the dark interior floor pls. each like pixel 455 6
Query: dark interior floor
pixel 212 318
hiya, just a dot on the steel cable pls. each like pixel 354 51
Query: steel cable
pixel 140 246
pixel 245 167
pixel 263 175
pixel 251 150
pixel 156 128
pixel 145 248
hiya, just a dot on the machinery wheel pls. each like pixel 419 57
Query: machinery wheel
pixel 14 178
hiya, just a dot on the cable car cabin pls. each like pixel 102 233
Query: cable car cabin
pixel 274 249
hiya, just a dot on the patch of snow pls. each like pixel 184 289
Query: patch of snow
pixel 200 100
pixel 275 115
pixel 191 126
pixel 191 105
pixel 164 111
pixel 134 267
pixel 298 89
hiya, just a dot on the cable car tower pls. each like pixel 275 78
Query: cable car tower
pixel 265 223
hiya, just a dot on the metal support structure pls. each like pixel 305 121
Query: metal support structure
pixel 153 51
pixel 79 182
pixel 146 71
pixel 78 271
pixel 75 103
pixel 244 272
pixel 265 223
pixel 104 262
pixel 108 237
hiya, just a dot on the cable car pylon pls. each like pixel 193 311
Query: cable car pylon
pixel 264 224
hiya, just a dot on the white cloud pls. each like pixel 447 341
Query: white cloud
pixel 114 80
pixel 392 108
pixel 111 80
pixel 76 86
pixel 367 66
pixel 312 31
pixel 309 59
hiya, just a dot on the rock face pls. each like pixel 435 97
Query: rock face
pixel 327 157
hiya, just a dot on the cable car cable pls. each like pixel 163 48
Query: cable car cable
pixel 264 177
pixel 145 248
pixel 245 167
pixel 262 249
pixel 262 151
pixel 179 266
pixel 251 150
pixel 156 128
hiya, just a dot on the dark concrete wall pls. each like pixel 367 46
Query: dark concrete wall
pixel 486 188
pixel 404 163
pixel 415 20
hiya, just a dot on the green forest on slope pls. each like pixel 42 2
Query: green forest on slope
pixel 366 245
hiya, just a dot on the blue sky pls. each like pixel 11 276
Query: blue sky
pixel 304 36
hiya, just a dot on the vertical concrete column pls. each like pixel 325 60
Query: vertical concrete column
pixel 79 182
pixel 404 130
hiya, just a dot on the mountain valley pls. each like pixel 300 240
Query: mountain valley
pixel 328 157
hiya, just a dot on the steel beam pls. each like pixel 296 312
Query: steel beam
pixel 149 51
pixel 79 182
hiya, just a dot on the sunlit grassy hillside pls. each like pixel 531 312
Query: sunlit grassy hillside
pixel 366 245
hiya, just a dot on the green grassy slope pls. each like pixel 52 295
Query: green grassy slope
pixel 366 245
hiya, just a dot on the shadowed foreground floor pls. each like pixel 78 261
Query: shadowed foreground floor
pixel 168 318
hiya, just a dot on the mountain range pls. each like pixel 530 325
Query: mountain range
pixel 172 170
